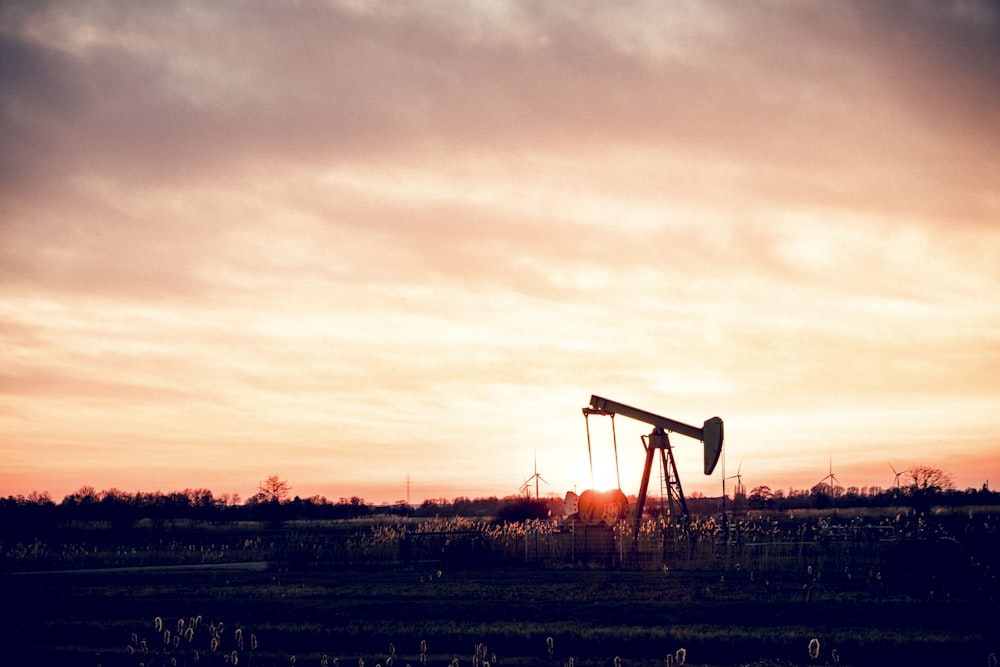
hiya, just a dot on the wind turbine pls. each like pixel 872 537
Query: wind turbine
pixel 739 481
pixel 536 477
pixel 737 476
pixel 895 481
pixel 834 482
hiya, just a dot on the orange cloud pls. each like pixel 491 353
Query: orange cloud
pixel 359 243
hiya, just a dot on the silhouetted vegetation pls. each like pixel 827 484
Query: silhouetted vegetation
pixel 882 589
pixel 270 505
pixel 523 509
pixel 350 577
pixel 928 487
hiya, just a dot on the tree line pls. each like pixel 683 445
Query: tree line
pixel 116 506
pixel 919 486
pixel 273 501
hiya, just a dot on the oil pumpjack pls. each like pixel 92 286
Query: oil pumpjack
pixel 594 507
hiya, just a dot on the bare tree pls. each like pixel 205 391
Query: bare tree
pixel 926 480
pixel 273 490
pixel 86 495
pixel 925 484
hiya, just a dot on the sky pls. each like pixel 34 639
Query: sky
pixel 390 249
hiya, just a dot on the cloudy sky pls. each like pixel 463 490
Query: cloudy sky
pixel 350 242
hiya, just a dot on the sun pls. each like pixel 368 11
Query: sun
pixel 604 476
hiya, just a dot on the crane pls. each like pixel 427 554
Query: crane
pixel 710 433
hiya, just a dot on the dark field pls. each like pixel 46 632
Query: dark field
pixel 344 592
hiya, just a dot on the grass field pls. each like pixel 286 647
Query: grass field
pixel 380 613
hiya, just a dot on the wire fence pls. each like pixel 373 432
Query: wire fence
pixel 658 547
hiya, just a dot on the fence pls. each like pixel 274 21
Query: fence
pixel 466 543
pixel 658 546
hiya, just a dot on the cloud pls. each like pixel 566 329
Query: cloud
pixel 173 89
pixel 408 226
